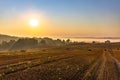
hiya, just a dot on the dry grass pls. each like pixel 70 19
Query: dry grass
pixel 63 63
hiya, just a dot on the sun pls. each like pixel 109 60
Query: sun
pixel 33 22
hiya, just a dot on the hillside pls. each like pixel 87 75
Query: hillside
pixel 7 38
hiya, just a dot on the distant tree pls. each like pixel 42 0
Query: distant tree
pixel 63 41
pixel 68 40
pixel 43 42
pixel 25 43
pixel 107 42
pixel 7 45
pixel 59 42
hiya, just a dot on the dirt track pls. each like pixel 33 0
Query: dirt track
pixel 107 67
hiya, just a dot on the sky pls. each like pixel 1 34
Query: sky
pixel 61 18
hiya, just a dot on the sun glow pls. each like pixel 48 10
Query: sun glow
pixel 33 22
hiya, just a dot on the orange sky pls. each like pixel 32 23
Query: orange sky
pixel 64 19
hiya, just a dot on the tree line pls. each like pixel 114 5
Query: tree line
pixel 30 43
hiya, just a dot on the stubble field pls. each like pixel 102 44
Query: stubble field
pixel 62 63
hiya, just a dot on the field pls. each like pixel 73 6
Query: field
pixel 86 62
